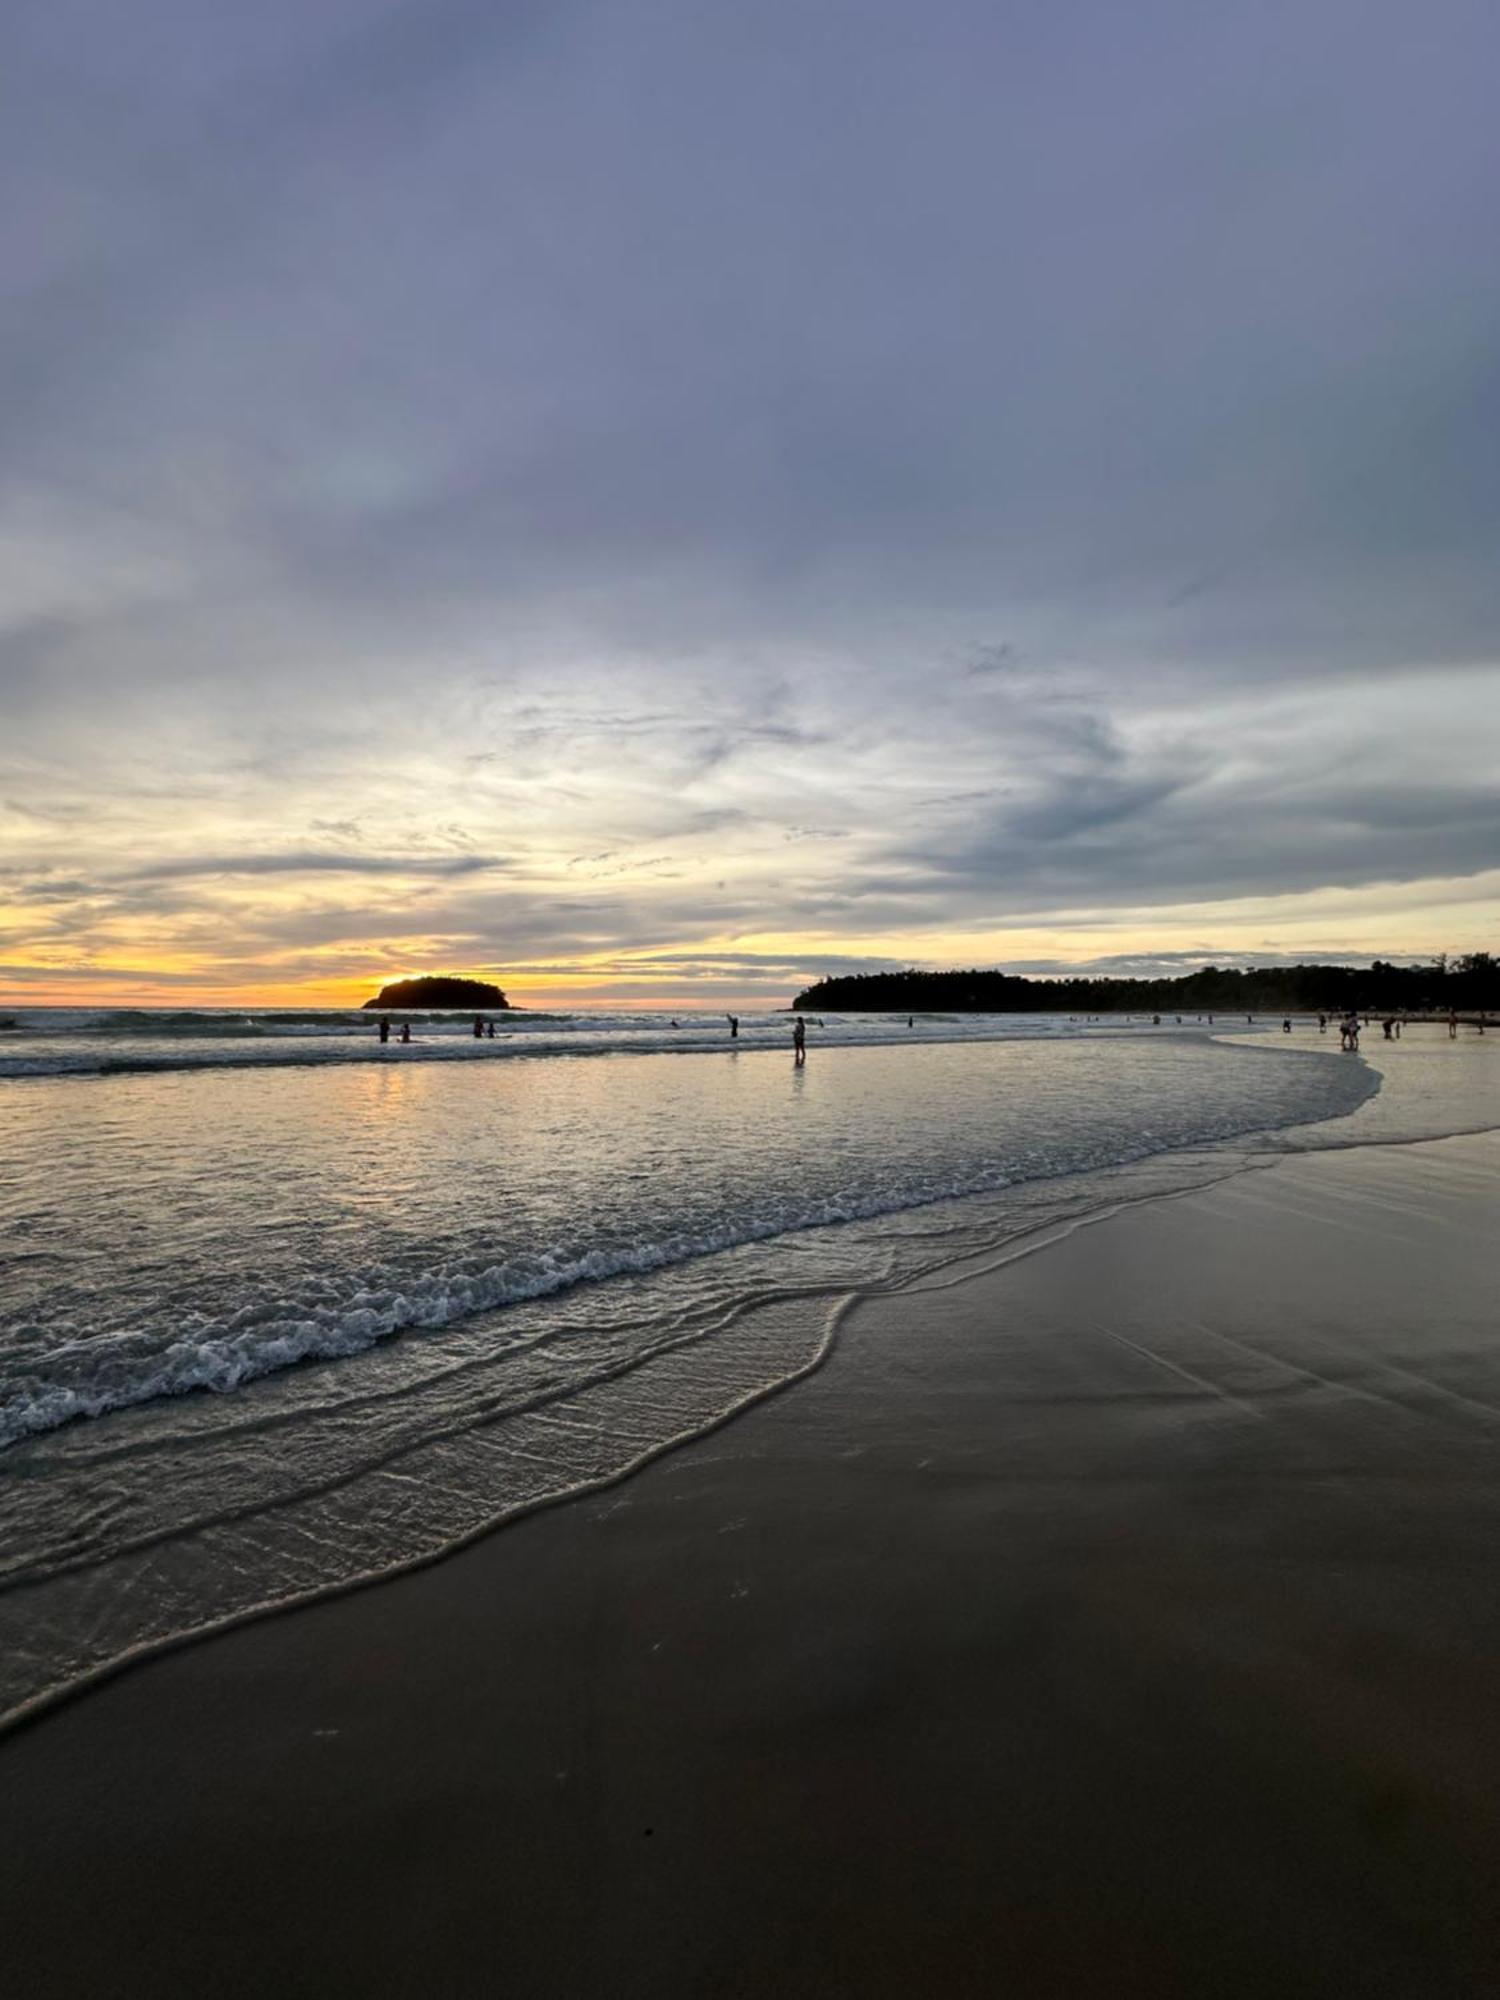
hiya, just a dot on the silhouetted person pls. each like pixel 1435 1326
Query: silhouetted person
pixel 406 1031
pixel 1322 1024
pixel 1156 1020
pixel 1386 1027
pixel 799 1040
pixel 490 1030
pixel 478 1029
pixel 734 1026
pixel 385 1029
pixel 1286 1026
pixel 1452 1025
pixel 911 1020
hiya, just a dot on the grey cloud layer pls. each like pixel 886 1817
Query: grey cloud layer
pixel 933 440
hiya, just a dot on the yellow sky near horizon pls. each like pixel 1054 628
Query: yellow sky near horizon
pixel 750 969
pixel 605 848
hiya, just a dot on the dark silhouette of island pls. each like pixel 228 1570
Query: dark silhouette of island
pixel 1468 984
pixel 439 989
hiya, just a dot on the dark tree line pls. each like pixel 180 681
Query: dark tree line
pixel 439 989
pixel 1469 985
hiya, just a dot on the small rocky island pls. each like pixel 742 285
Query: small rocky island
pixel 438 990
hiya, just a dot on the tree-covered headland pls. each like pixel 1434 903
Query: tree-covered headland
pixel 1470 984
pixel 439 989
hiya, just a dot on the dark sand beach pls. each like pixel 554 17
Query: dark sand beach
pixel 1122 1619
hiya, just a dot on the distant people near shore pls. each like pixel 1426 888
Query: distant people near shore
pixel 1452 1025
pixel 799 1041
pixel 406 1031
pixel 1156 1020
pixel 1322 1024
pixel 478 1028
pixel 489 1030
pixel 1387 1029
pixel 385 1027
pixel 1286 1024
pixel 734 1026
pixel 1349 1032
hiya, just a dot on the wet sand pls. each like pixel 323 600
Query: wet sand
pixel 1123 1619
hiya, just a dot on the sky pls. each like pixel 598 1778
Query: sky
pixel 651 502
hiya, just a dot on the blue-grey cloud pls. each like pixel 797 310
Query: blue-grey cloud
pixel 315 861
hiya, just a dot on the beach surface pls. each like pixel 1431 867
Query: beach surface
pixel 1121 1617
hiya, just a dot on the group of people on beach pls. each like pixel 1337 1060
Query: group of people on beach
pixel 1349 1026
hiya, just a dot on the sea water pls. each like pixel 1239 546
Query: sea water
pixel 270 1326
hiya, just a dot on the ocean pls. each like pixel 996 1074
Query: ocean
pixel 283 1309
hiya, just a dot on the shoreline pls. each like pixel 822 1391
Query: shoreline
pixel 839 1305
pixel 806 1644
pixel 1247 1153
pixel 187 1514
pixel 798 1352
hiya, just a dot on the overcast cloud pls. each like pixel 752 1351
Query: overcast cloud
pixel 706 494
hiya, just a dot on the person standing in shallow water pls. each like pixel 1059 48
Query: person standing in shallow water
pixel 734 1026
pixel 385 1028
pixel 799 1040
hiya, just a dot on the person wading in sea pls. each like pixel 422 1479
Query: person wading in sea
pixel 799 1040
